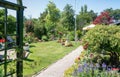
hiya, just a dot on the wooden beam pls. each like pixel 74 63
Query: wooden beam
pixel 10 5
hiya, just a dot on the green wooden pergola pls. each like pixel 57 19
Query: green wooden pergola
pixel 19 8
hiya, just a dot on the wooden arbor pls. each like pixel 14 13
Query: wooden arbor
pixel 19 8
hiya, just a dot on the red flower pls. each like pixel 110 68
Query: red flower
pixel 115 69
pixel 2 40
pixel 91 55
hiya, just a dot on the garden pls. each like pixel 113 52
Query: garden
pixel 101 55
pixel 51 36
pixel 43 54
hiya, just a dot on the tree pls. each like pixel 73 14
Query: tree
pixel 42 17
pixel 82 10
pixel 85 17
pixel 103 18
pixel 67 18
pixel 2 11
pixel 53 12
pixel 85 8
pixel 115 14
pixel 29 26
pixel 104 38
pixel 52 17
pixel 39 29
pixel 11 23
pixel 39 25
pixel 92 14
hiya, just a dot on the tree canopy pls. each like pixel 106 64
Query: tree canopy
pixel 103 18
pixel 67 18
pixel 11 23
pixel 115 14
pixel 85 17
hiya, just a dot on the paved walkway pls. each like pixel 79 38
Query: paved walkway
pixel 57 69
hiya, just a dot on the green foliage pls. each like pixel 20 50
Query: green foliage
pixel 85 17
pixel 39 29
pixel 28 38
pixel 1 72
pixel 69 71
pixel 71 35
pixel 46 25
pixel 60 31
pixel 44 38
pixel 103 37
pixel 1 20
pixel 114 13
pixel 79 34
pixel 67 19
pixel 11 23
pixel 53 12
pixel 29 26
pixel 52 17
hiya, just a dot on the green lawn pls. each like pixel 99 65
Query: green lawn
pixel 43 54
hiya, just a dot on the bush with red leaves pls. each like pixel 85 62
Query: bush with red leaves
pixel 103 18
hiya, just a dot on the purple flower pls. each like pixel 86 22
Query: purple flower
pixel 85 65
pixel 109 68
pixel 80 69
pixel 103 65
pixel 97 65
pixel 91 65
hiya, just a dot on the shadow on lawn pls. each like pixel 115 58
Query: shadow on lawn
pixel 32 46
pixel 27 59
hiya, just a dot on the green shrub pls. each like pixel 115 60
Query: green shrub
pixel 103 39
pixel 29 38
pixel 71 36
pixel 1 73
pixel 69 72
pixel 40 30
pixel 44 38
pixel 79 34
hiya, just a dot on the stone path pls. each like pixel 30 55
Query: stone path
pixel 57 69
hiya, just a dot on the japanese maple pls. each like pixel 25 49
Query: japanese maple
pixel 103 18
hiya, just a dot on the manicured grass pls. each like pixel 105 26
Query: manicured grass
pixel 44 54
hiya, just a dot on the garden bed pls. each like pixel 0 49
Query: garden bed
pixel 92 65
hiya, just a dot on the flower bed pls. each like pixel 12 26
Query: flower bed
pixel 91 65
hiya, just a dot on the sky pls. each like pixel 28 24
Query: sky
pixel 35 7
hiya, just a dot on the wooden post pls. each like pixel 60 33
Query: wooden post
pixel 19 64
